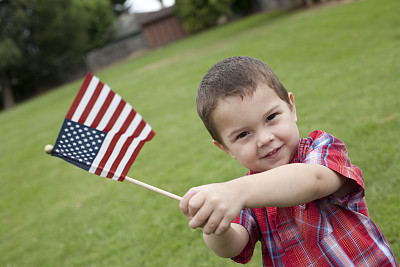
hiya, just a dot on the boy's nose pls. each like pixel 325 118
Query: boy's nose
pixel 264 138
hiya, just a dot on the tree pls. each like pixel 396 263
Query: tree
pixel 99 17
pixel 46 41
pixel 10 53
pixel 43 42
pixel 201 14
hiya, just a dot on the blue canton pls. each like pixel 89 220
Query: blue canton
pixel 78 144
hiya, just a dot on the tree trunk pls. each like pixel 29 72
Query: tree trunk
pixel 6 92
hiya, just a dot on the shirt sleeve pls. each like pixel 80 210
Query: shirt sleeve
pixel 247 220
pixel 326 150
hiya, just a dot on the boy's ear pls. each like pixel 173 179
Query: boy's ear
pixel 223 148
pixel 292 105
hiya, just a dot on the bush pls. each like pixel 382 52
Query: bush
pixel 201 14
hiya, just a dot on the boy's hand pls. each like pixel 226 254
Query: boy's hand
pixel 212 207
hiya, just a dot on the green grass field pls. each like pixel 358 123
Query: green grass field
pixel 342 62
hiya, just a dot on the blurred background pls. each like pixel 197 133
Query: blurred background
pixel 340 58
pixel 44 44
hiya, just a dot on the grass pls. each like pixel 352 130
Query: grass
pixel 342 62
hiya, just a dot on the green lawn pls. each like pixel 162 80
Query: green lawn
pixel 342 63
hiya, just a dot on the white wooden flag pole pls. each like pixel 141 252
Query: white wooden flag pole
pixel 153 188
pixel 49 148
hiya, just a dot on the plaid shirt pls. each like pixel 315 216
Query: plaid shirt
pixel 326 232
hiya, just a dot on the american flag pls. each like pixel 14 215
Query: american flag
pixel 101 132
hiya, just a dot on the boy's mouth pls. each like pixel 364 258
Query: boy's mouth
pixel 273 154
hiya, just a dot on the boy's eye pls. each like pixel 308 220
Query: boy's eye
pixel 271 117
pixel 242 134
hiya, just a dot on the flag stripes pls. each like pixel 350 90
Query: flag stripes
pixel 78 98
pixel 103 108
pixel 91 103
pixel 97 106
pixel 90 120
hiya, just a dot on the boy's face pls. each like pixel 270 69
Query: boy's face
pixel 259 131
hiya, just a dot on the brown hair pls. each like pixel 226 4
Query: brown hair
pixel 234 76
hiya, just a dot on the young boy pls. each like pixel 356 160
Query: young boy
pixel 302 198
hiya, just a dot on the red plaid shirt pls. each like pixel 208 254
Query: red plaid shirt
pixel 326 232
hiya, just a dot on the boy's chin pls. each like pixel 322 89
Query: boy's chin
pixel 270 167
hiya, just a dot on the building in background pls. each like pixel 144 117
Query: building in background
pixel 160 27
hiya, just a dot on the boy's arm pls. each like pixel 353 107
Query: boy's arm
pixel 230 243
pixel 213 207
pixel 292 185
pixel 230 238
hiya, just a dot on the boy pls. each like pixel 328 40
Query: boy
pixel 302 198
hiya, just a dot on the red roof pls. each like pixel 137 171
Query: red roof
pixel 149 17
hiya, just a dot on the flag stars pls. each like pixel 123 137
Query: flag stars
pixel 79 143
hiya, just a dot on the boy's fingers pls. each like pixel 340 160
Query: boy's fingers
pixel 184 203
pixel 199 216
pixel 212 223
pixel 223 226
pixel 195 203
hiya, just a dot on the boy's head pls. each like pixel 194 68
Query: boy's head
pixel 235 76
